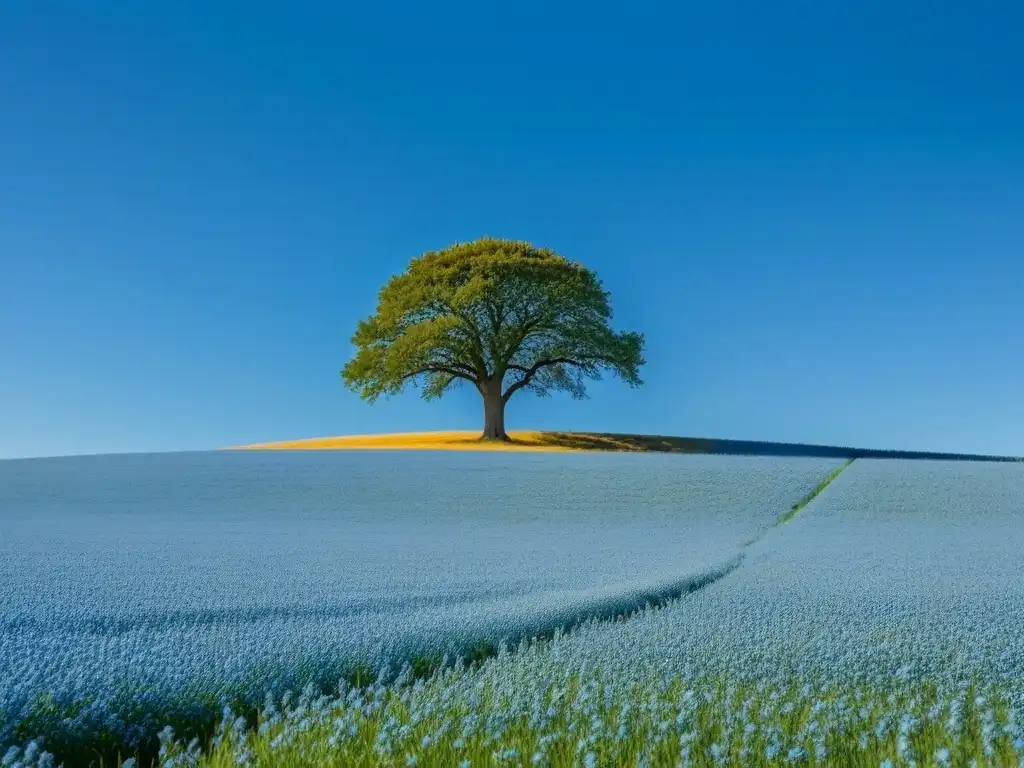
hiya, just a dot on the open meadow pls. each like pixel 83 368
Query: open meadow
pixel 442 608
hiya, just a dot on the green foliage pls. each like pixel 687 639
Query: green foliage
pixel 587 720
pixel 499 314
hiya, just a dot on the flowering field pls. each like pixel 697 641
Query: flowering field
pixel 881 626
pixel 138 588
pixel 896 571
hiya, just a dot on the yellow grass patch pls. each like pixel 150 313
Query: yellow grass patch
pixel 467 440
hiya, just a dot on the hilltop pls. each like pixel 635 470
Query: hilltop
pixel 533 440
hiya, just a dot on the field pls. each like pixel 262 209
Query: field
pixel 627 609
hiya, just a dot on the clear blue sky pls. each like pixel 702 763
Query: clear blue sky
pixel 815 213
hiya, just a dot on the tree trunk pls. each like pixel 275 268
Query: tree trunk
pixel 494 415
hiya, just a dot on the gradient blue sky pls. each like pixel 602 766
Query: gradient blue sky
pixel 815 213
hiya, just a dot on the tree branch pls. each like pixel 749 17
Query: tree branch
pixel 526 329
pixel 529 373
pixel 440 369
pixel 467 370
pixel 475 337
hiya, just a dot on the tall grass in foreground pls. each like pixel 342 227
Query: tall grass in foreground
pixel 453 719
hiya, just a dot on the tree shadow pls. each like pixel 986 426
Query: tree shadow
pixel 609 441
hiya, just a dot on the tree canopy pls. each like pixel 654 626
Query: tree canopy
pixel 502 315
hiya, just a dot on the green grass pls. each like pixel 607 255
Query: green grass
pixel 798 507
pixel 427 727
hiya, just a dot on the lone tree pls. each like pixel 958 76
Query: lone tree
pixel 502 315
